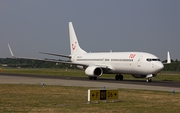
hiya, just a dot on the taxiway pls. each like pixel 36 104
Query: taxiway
pixel 85 82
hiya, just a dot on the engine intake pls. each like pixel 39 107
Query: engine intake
pixel 94 71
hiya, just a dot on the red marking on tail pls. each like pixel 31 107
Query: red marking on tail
pixel 74 46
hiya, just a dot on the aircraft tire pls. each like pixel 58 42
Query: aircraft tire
pixel 121 77
pixel 148 80
pixel 92 78
pixel 117 77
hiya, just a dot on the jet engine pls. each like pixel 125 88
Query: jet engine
pixel 94 71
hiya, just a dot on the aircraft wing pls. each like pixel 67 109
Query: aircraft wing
pixel 55 54
pixel 47 60
pixel 57 61
pixel 105 66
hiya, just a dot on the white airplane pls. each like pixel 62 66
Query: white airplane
pixel 137 64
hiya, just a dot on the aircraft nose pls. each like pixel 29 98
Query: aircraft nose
pixel 159 66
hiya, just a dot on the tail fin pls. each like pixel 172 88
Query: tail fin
pixel 74 45
pixel 168 58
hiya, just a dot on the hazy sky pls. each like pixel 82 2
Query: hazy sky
pixel 30 26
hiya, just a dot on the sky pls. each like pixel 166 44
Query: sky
pixel 31 26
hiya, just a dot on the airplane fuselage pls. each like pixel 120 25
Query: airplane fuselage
pixel 137 63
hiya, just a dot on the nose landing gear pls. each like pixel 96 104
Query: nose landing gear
pixel 148 80
pixel 149 77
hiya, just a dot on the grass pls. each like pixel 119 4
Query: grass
pixel 163 76
pixel 35 98
pixel 168 76
pixel 44 71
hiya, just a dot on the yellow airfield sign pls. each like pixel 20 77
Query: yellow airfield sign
pixel 95 94
pixel 111 94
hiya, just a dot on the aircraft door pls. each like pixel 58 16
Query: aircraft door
pixel 139 61
pixel 152 64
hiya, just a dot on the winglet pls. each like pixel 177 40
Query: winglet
pixel 168 58
pixel 11 51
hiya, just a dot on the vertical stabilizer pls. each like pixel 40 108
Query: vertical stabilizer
pixel 168 58
pixel 74 45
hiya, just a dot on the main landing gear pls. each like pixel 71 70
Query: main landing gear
pixel 119 77
pixel 92 78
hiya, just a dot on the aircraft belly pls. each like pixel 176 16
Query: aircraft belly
pixel 144 69
pixel 131 68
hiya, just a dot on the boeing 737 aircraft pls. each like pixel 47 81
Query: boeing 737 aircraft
pixel 137 64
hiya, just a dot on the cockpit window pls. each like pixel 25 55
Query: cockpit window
pixel 152 59
pixel 155 59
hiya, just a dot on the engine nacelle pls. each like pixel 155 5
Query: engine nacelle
pixel 93 71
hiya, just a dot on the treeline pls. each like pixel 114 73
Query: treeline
pixel 25 63
pixel 174 66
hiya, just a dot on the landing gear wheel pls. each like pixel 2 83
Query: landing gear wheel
pixel 148 80
pixel 92 78
pixel 119 77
